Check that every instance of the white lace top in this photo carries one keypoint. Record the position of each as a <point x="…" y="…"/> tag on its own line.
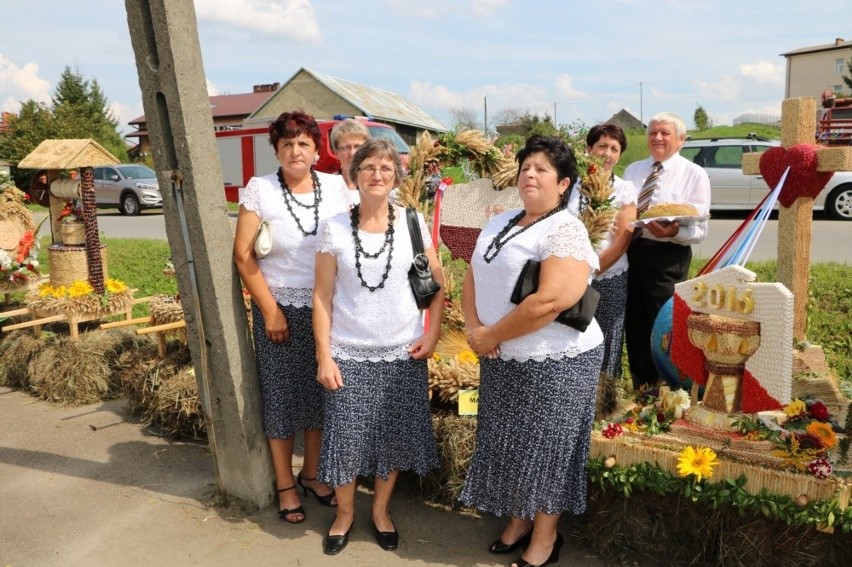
<point x="377" y="325"/>
<point x="560" y="235"/>
<point x="289" y="267"/>
<point x="624" y="193"/>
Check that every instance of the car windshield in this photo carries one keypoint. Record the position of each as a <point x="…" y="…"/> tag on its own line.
<point x="137" y="172"/>
<point x="390" y="134"/>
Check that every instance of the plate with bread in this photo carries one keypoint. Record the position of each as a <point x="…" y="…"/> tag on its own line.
<point x="665" y="213"/>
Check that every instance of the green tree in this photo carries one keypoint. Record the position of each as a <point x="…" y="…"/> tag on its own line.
<point x="78" y="109"/>
<point x="848" y="78"/>
<point x="702" y="121"/>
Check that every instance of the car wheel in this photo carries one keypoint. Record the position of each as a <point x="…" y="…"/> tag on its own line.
<point x="129" y="204"/>
<point x="838" y="205"/>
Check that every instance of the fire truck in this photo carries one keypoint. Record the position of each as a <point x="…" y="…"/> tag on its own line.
<point x="245" y="152"/>
<point x="834" y="120"/>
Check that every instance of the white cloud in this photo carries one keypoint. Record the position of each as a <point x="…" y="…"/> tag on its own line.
<point x="565" y="87"/>
<point x="726" y="88"/>
<point x="441" y="8"/>
<point x="520" y="97"/>
<point x="763" y="72"/>
<point x="124" y="113"/>
<point x="212" y="90"/>
<point x="281" y="19"/>
<point x="20" y="84"/>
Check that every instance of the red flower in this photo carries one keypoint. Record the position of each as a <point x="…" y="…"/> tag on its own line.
<point x="819" y="411"/>
<point x="24" y="246"/>
<point x="592" y="169"/>
<point x="612" y="430"/>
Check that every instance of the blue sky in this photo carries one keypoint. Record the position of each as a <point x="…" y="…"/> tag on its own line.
<point x="580" y="61"/>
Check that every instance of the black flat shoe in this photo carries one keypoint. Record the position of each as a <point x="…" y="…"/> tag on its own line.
<point x="387" y="540"/>
<point x="554" y="555"/>
<point x="285" y="512"/>
<point x="334" y="544"/>
<point x="325" y="500"/>
<point x="501" y="548"/>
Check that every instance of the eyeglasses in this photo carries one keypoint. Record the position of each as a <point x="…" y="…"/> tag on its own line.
<point x="348" y="148"/>
<point x="371" y="170"/>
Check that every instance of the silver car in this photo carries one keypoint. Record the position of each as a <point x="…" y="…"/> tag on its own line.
<point x="131" y="187"/>
<point x="731" y="189"/>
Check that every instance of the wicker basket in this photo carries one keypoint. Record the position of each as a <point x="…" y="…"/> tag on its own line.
<point x="68" y="263"/>
<point x="72" y="233"/>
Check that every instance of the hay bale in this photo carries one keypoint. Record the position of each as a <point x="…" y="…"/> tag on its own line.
<point x="455" y="437"/>
<point x="17" y="352"/>
<point x="176" y="407"/>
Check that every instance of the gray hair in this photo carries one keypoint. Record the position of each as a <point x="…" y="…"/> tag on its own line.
<point x="348" y="127"/>
<point x="672" y="119"/>
<point x="381" y="148"/>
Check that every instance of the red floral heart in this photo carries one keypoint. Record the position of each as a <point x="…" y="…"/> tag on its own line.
<point x="803" y="180"/>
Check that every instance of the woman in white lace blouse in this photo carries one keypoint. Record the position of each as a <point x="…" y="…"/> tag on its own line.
<point x="293" y="200"/>
<point x="537" y="377"/>
<point x="608" y="142"/>
<point x="371" y="347"/>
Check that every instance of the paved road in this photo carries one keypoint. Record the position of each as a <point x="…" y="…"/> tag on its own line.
<point x="831" y="239"/>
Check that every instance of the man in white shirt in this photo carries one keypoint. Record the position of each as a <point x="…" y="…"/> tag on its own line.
<point x="660" y="255"/>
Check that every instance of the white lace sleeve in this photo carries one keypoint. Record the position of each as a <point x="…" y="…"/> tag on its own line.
<point x="569" y="238"/>
<point x="324" y="243"/>
<point x="625" y="192"/>
<point x="250" y="197"/>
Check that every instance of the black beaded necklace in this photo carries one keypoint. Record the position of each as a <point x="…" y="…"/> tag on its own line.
<point x="289" y="198"/>
<point x="498" y="242"/>
<point x="354" y="219"/>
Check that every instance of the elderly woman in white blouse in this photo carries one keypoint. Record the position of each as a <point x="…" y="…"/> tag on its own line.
<point x="372" y="348"/>
<point x="537" y="377"/>
<point x="607" y="142"/>
<point x="293" y="200"/>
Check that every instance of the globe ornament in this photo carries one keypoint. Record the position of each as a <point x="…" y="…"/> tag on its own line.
<point x="661" y="343"/>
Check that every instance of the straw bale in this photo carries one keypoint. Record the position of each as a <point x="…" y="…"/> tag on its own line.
<point x="17" y="352"/>
<point x="834" y="159"/>
<point x="455" y="438"/>
<point x="73" y="372"/>
<point x="798" y="121"/>
<point x="176" y="406"/>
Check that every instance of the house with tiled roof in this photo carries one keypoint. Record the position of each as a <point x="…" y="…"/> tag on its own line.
<point x="813" y="70"/>
<point x="228" y="111"/>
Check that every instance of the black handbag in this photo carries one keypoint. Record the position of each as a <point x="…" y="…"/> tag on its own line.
<point x="423" y="285"/>
<point x="578" y="316"/>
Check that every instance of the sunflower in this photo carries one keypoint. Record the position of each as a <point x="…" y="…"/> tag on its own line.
<point x="467" y="356"/>
<point x="698" y="462"/>
<point x="795" y="409"/>
<point x="822" y="432"/>
<point x="45" y="290"/>
<point x="80" y="288"/>
<point x="115" y="286"/>
<point x="59" y="292"/>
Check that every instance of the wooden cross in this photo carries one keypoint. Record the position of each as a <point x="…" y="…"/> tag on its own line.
<point x="798" y="126"/>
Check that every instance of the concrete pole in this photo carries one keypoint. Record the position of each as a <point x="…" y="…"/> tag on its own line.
<point x="200" y="233"/>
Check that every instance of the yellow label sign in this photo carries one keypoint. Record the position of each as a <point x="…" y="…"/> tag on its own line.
<point x="468" y="402"/>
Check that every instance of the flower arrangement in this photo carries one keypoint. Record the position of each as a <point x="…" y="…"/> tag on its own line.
<point x="19" y="249"/>
<point x="453" y="367"/>
<point x="653" y="412"/>
<point x="70" y="213"/>
<point x="803" y="434"/>
<point x="80" y="298"/>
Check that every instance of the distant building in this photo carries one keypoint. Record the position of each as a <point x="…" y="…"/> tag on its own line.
<point x="4" y="120"/>
<point x="324" y="97"/>
<point x="228" y="111"/>
<point x="626" y="120"/>
<point x="813" y="70"/>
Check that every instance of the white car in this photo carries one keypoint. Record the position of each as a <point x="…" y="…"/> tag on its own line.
<point x="731" y="189"/>
<point x="131" y="187"/>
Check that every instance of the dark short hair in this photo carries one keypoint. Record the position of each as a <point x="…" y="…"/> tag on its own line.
<point x="610" y="131"/>
<point x="291" y="124"/>
<point x="377" y="147"/>
<point x="560" y="156"/>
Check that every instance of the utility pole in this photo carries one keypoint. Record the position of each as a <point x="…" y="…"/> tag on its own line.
<point x="177" y="110"/>
<point x="641" y="109"/>
<point x="485" y="113"/>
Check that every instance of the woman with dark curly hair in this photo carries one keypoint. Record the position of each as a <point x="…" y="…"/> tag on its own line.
<point x="293" y="200"/>
<point x="537" y="377"/>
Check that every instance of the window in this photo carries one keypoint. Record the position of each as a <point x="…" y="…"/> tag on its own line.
<point x="838" y="66"/>
<point x="730" y="157"/>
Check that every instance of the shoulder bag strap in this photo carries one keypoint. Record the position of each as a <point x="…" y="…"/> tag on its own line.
<point x="414" y="230"/>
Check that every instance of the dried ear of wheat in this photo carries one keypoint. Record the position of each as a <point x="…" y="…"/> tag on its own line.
<point x="599" y="215"/>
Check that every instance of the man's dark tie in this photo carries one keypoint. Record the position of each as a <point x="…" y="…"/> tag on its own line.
<point x="648" y="189"/>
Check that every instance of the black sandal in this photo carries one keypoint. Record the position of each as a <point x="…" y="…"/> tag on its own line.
<point x="283" y="513"/>
<point x="325" y="500"/>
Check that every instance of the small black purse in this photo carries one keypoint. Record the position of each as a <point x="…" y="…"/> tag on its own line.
<point x="578" y="316"/>
<point x="423" y="285"/>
